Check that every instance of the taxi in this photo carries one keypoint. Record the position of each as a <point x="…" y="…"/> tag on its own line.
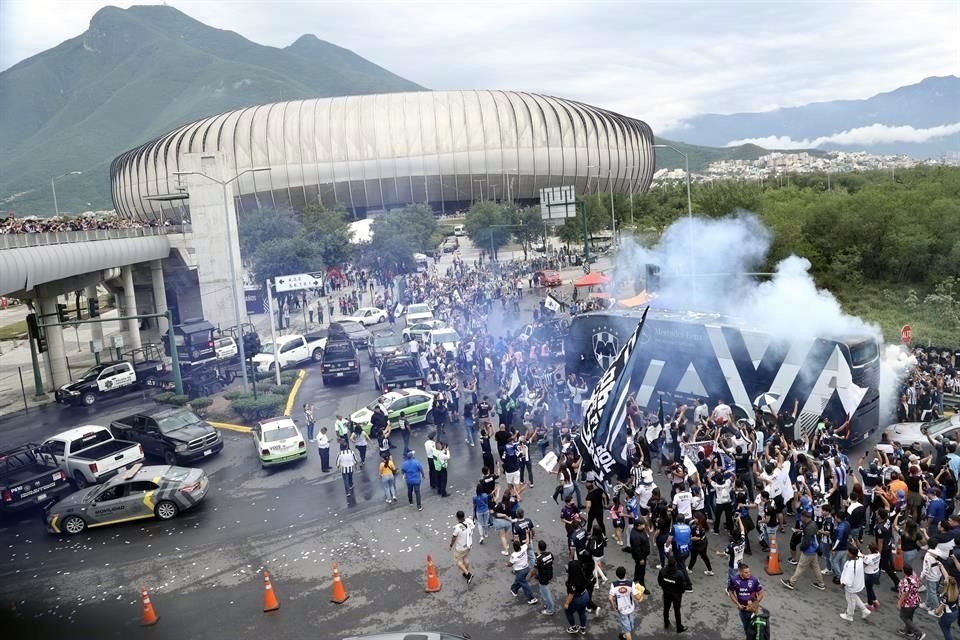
<point x="142" y="492"/>
<point x="415" y="405"/>
<point x="279" y="441"/>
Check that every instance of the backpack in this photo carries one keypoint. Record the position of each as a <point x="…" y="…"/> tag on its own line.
<point x="468" y="532"/>
<point x="760" y="625"/>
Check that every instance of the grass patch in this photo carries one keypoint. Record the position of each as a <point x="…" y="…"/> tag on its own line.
<point x="14" y="331"/>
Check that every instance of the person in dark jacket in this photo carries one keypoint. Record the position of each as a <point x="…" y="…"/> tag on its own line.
<point x="639" y="549"/>
<point x="577" y="597"/>
<point x="674" y="583"/>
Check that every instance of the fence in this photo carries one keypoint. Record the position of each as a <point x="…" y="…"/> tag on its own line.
<point x="9" y="383"/>
<point x="26" y="240"/>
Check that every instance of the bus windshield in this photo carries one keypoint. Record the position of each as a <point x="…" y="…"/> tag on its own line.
<point x="863" y="352"/>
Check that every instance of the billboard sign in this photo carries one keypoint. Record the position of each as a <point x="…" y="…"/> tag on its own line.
<point x="557" y="204"/>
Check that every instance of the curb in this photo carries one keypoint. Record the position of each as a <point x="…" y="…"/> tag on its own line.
<point x="292" y="397"/>
<point x="230" y="427"/>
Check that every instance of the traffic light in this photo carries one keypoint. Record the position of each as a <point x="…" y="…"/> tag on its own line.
<point x="93" y="306"/>
<point x="62" y="312"/>
<point x="35" y="333"/>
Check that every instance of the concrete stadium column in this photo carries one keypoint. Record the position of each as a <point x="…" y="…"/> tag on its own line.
<point x="130" y="309"/>
<point x="159" y="293"/>
<point x="56" y="355"/>
<point x="214" y="231"/>
<point x="96" y="329"/>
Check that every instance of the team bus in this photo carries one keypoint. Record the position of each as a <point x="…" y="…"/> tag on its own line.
<point x="684" y="356"/>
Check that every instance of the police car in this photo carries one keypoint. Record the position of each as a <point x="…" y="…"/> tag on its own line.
<point x="279" y="441"/>
<point x="142" y="492"/>
<point x="413" y="403"/>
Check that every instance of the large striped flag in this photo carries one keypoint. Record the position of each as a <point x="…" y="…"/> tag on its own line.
<point x="603" y="438"/>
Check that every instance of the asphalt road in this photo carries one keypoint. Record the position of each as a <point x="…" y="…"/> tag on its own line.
<point x="203" y="569"/>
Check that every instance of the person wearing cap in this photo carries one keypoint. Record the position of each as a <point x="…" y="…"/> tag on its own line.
<point x="809" y="546"/>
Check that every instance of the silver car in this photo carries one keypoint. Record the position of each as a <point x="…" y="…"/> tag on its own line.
<point x="915" y="433"/>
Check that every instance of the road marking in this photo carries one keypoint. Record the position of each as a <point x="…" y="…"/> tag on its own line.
<point x="230" y="427"/>
<point x="291" y="399"/>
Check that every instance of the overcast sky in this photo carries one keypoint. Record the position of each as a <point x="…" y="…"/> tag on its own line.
<point x="661" y="62"/>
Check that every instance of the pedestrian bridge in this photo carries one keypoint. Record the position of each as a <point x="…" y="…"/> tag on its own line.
<point x="29" y="260"/>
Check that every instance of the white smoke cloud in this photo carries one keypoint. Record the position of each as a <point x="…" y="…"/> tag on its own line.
<point x="863" y="136"/>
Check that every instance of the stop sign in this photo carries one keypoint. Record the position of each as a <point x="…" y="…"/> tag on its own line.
<point x="906" y="334"/>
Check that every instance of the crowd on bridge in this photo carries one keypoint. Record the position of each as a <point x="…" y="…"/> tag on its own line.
<point x="11" y="224"/>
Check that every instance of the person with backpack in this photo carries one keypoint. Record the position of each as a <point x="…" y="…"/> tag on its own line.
<point x="680" y="542"/>
<point x="441" y="459"/>
<point x="460" y="543"/>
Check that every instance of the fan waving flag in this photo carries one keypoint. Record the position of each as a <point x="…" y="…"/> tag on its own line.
<point x="515" y="383"/>
<point x="603" y="438"/>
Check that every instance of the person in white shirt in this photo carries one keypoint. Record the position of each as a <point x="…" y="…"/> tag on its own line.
<point x="461" y="542"/>
<point x="852" y="579"/>
<point x="519" y="563"/>
<point x="683" y="501"/>
<point x="323" y="448"/>
<point x="430" y="451"/>
<point x="722" y="413"/>
<point x="345" y="464"/>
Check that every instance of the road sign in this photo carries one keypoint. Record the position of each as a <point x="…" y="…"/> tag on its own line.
<point x="297" y="281"/>
<point x="557" y="204"/>
<point x="906" y="334"/>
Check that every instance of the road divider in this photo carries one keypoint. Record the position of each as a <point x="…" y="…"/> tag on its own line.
<point x="292" y="397"/>
<point x="230" y="427"/>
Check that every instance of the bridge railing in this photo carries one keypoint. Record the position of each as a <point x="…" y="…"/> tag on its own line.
<point x="26" y="240"/>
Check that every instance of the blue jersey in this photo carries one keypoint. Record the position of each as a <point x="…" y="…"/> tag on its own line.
<point x="681" y="538"/>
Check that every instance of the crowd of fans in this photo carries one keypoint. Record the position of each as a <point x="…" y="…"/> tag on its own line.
<point x="32" y="224"/>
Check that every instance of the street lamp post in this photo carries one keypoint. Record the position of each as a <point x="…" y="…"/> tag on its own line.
<point x="53" y="187"/>
<point x="686" y="164"/>
<point x="233" y="271"/>
<point x="481" y="181"/>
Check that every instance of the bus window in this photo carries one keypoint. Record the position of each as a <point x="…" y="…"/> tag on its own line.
<point x="863" y="352"/>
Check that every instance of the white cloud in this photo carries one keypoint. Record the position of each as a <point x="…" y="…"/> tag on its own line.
<point x="860" y="136"/>
<point x="633" y="57"/>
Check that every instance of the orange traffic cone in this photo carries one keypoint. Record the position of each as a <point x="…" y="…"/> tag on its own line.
<point x="150" y="616"/>
<point x="433" y="582"/>
<point x="339" y="593"/>
<point x="270" y="602"/>
<point x="773" y="563"/>
<point x="898" y="559"/>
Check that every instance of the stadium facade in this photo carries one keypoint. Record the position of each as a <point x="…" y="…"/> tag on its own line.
<point x="375" y="152"/>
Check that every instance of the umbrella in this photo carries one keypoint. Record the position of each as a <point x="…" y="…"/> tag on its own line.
<point x="767" y="402"/>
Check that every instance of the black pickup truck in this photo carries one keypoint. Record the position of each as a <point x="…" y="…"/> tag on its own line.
<point x="30" y="477"/>
<point x="175" y="434"/>
<point x="340" y="360"/>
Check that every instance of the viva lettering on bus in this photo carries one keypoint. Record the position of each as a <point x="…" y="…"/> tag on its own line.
<point x="603" y="438"/>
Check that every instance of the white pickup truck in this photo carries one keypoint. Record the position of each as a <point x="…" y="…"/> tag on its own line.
<point x="91" y="454"/>
<point x="291" y="350"/>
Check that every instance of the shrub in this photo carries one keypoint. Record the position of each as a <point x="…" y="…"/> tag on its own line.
<point x="288" y="377"/>
<point x="164" y="396"/>
<point x="172" y="398"/>
<point x="266" y="406"/>
<point x="199" y="405"/>
<point x="236" y="394"/>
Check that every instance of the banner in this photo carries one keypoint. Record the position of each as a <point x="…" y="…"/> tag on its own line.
<point x="603" y="438"/>
<point x="552" y="303"/>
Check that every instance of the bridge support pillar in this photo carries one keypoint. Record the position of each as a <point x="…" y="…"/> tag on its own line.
<point x="56" y="355"/>
<point x="130" y="308"/>
<point x="159" y="293"/>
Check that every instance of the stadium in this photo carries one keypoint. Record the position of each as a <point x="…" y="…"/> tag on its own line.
<point x="377" y="152"/>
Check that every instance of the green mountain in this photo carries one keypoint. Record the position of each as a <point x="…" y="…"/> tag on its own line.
<point x="135" y="74"/>
<point x="700" y="156"/>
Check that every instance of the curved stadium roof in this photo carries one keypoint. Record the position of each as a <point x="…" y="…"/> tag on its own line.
<point x="388" y="150"/>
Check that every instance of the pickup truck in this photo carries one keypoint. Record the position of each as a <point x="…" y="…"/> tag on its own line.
<point x="139" y="369"/>
<point x="340" y="360"/>
<point x="90" y="454"/>
<point x="292" y="350"/>
<point x="175" y="434"/>
<point x="30" y="477"/>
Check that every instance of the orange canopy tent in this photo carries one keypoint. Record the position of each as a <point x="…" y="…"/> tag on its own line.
<point x="592" y="279"/>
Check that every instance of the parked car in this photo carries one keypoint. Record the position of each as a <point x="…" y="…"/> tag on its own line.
<point x="340" y="361"/>
<point x="279" y="441"/>
<point x="291" y="350"/>
<point x="142" y="492"/>
<point x="415" y="313"/>
<point x="459" y="231"/>
<point x="415" y="404"/>
<point x="226" y="348"/>
<point x="421" y="329"/>
<point x="139" y="369"/>
<point x="355" y="331"/>
<point x="448" y="338"/>
<point x="90" y="454"/>
<point x="30" y="476"/>
<point x="547" y="278"/>
<point x="385" y="343"/>
<point x="398" y="372"/>
<point x="367" y="316"/>
<point x="914" y="434"/>
<point x="175" y="434"/>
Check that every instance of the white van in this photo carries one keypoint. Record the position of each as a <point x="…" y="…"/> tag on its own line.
<point x="458" y="230"/>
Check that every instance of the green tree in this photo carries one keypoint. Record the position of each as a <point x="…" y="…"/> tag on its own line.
<point x="486" y="225"/>
<point x="258" y="227"/>
<point x="327" y="230"/>
<point x="529" y="227"/>
<point x="283" y="256"/>
<point x="397" y="236"/>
